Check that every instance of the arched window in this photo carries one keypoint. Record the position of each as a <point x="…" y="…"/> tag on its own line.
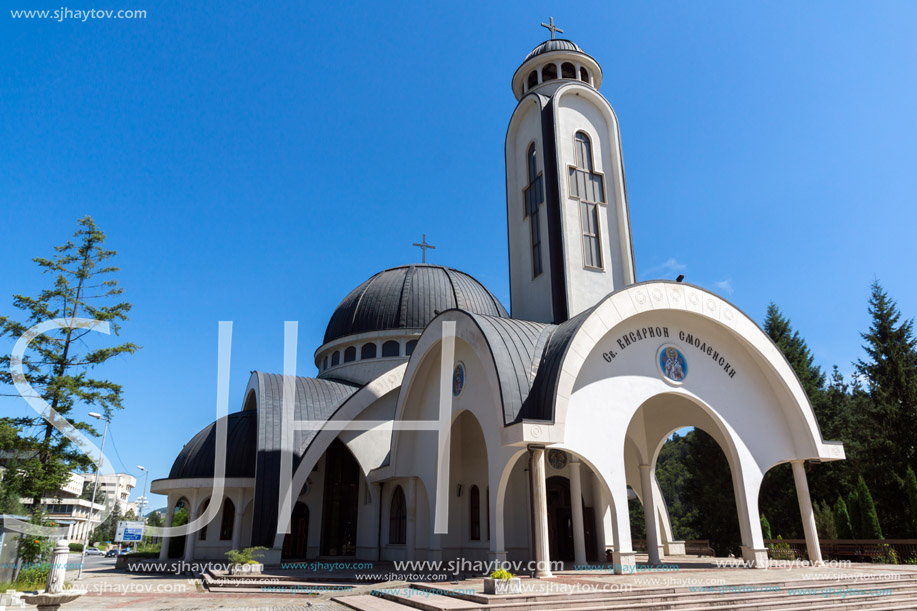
<point x="368" y="351"/>
<point x="391" y="348"/>
<point x="534" y="197"/>
<point x="398" y="518"/>
<point x="584" y="75"/>
<point x="568" y="70"/>
<point x="204" y="506"/>
<point x="588" y="186"/>
<point x="582" y="151"/>
<point x="229" y="517"/>
<point x="350" y="354"/>
<point x="533" y="78"/>
<point x="474" y="514"/>
<point x="548" y="73"/>
<point x="409" y="347"/>
<point x="335" y="358"/>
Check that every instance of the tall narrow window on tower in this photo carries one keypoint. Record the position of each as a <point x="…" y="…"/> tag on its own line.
<point x="534" y="196"/>
<point x="588" y="186"/>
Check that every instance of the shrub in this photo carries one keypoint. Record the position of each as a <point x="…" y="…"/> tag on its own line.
<point x="76" y="547"/>
<point x="889" y="556"/>
<point x="33" y="578"/>
<point x="782" y="551"/>
<point x="246" y="556"/>
<point x="765" y="528"/>
<point x="501" y="574"/>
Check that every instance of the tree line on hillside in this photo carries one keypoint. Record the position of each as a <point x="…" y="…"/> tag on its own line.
<point x="870" y="495"/>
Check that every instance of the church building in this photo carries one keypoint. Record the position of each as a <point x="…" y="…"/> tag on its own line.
<point x="449" y="427"/>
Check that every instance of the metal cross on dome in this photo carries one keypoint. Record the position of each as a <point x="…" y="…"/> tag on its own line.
<point x="424" y="246"/>
<point x="552" y="27"/>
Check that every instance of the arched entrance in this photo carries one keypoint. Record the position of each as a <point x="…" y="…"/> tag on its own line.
<point x="341" y="501"/>
<point x="560" y="519"/>
<point x="179" y="518"/>
<point x="294" y="543"/>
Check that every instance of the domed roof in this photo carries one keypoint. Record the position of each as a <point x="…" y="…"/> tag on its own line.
<point x="558" y="44"/>
<point x="409" y="297"/>
<point x="197" y="457"/>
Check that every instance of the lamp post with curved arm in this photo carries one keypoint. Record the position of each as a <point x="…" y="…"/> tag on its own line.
<point x="95" y="489"/>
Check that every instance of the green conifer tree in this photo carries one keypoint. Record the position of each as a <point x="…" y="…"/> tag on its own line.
<point x="890" y="374"/>
<point x="910" y="485"/>
<point x="870" y="528"/>
<point x="57" y="363"/>
<point x="765" y="528"/>
<point x="842" y="519"/>
<point x="853" y="506"/>
<point x="824" y="521"/>
<point x="777" y="500"/>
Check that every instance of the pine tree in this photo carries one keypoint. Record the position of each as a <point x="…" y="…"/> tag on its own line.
<point x="796" y="351"/>
<point x="910" y="485"/>
<point x="765" y="528"/>
<point x="824" y="521"/>
<point x="856" y="522"/>
<point x="842" y="519"/>
<point x="870" y="528"/>
<point x="57" y="363"/>
<point x="778" y="489"/>
<point x="890" y="425"/>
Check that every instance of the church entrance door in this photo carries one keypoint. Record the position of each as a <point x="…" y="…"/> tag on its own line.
<point x="294" y="543"/>
<point x="341" y="500"/>
<point x="560" y="519"/>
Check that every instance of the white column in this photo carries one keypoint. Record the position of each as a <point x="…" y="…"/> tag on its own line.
<point x="164" y="541"/>
<point x="190" y="538"/>
<point x="410" y="526"/>
<point x="540" y="513"/>
<point x="805" y="508"/>
<point x="576" y="505"/>
<point x="600" y="505"/>
<point x="649" y="514"/>
<point x="237" y="523"/>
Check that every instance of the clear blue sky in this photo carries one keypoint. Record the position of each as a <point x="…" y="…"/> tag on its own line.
<point x="255" y="163"/>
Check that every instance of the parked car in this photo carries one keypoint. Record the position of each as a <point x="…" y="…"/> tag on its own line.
<point x="125" y="551"/>
<point x="111" y="553"/>
<point x="93" y="551"/>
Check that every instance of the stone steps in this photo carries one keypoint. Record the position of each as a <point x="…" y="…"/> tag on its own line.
<point x="903" y="595"/>
<point x="267" y="584"/>
<point x="534" y="600"/>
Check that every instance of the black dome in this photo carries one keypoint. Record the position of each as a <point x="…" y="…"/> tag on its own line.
<point x="197" y="457"/>
<point x="409" y="297"/>
<point x="559" y="44"/>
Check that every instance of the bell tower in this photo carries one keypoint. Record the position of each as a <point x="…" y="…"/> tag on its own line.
<point x="566" y="200"/>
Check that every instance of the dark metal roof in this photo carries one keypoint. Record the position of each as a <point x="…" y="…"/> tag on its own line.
<point x="197" y="457"/>
<point x="539" y="404"/>
<point x="516" y="346"/>
<point x="313" y="399"/>
<point x="558" y="44"/>
<point x="409" y="297"/>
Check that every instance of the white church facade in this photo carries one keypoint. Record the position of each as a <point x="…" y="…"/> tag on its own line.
<point x="553" y="413"/>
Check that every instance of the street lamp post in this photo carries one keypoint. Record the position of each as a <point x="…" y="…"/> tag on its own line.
<point x="141" y="502"/>
<point x="95" y="489"/>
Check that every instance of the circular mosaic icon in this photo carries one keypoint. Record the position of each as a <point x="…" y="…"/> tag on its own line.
<point x="672" y="364"/>
<point x="458" y="380"/>
<point x="557" y="458"/>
